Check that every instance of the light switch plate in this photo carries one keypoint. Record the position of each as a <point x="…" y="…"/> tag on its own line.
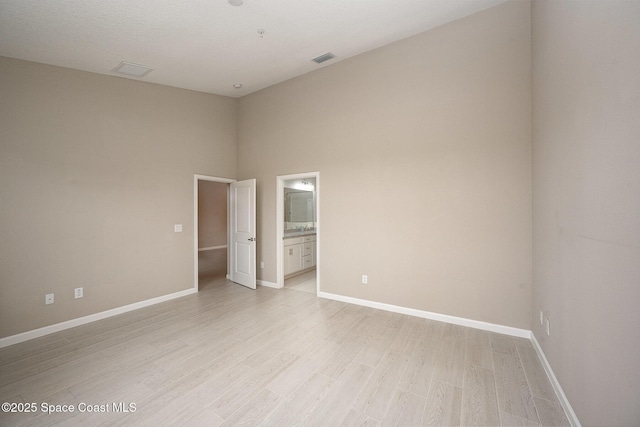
<point x="177" y="228"/>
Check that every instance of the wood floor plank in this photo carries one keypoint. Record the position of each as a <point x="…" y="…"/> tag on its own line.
<point x="297" y="407"/>
<point x="234" y="395"/>
<point x="405" y="409"/>
<point x="502" y="343"/>
<point x="551" y="413"/>
<point x="205" y="417"/>
<point x="514" y="395"/>
<point x="479" y="401"/>
<point x="336" y="364"/>
<point x="444" y="405"/>
<point x="338" y="327"/>
<point x="509" y="420"/>
<point x="254" y="412"/>
<point x="417" y="376"/>
<point x="375" y="344"/>
<point x="449" y="360"/>
<point x="478" y="348"/>
<point x="376" y="396"/>
<point x="337" y="403"/>
<point x="536" y="376"/>
<point x="358" y="419"/>
<point x="407" y="337"/>
<point x="310" y="358"/>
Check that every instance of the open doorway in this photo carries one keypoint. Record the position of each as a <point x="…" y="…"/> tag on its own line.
<point x="211" y="230"/>
<point x="298" y="231"/>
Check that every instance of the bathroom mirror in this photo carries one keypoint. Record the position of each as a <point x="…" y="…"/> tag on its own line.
<point x="298" y="205"/>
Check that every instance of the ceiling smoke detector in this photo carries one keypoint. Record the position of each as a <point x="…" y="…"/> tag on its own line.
<point x="131" y="69"/>
<point x="327" y="56"/>
<point x="235" y="2"/>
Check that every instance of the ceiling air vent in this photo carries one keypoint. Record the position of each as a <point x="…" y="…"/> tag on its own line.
<point x="327" y="56"/>
<point x="131" y="69"/>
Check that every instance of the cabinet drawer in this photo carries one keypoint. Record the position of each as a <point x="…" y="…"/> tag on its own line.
<point x="307" y="261"/>
<point x="307" y="249"/>
<point x="309" y="239"/>
<point x="292" y="241"/>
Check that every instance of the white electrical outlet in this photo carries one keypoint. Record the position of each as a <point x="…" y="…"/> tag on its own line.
<point x="541" y="317"/>
<point x="48" y="299"/>
<point x="364" y="279"/>
<point x="261" y="264"/>
<point x="78" y="293"/>
<point x="548" y="327"/>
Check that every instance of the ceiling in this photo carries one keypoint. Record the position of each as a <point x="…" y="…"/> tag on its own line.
<point x="210" y="45"/>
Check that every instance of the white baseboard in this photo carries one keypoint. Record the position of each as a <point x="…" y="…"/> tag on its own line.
<point x="212" y="248"/>
<point x="46" y="330"/>
<point x="568" y="410"/>
<point x="267" y="284"/>
<point x="501" y="329"/>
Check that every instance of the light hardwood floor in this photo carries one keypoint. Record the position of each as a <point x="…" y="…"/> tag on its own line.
<point x="305" y="282"/>
<point x="234" y="356"/>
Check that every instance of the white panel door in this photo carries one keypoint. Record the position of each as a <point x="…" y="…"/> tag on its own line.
<point x="243" y="232"/>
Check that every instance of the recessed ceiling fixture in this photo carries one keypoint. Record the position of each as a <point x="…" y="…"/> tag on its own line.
<point x="327" y="56"/>
<point x="131" y="69"/>
<point x="238" y="85"/>
<point x="235" y="2"/>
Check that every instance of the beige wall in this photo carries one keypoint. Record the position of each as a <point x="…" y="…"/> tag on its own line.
<point x="586" y="127"/>
<point x="423" y="149"/>
<point x="95" y="172"/>
<point x="212" y="213"/>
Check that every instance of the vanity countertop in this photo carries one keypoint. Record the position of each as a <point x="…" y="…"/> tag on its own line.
<point x="288" y="235"/>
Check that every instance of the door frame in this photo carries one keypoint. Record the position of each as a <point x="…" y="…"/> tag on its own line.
<point x="280" y="179"/>
<point x="196" y="178"/>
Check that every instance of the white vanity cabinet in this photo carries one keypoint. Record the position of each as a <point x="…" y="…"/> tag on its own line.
<point x="292" y="255"/>
<point x="299" y="254"/>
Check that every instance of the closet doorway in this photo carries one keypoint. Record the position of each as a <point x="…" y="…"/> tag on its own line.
<point x="211" y="230"/>
<point x="298" y="231"/>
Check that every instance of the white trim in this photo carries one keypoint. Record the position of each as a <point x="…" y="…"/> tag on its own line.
<point x="212" y="248"/>
<point x="564" y="402"/>
<point x="46" y="330"/>
<point x="267" y="284"/>
<point x="280" y="224"/>
<point x="197" y="177"/>
<point x="485" y="326"/>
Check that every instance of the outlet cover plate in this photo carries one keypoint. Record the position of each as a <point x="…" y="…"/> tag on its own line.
<point x="548" y="327"/>
<point x="541" y="317"/>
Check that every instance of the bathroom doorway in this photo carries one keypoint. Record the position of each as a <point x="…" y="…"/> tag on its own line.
<point x="298" y="231"/>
